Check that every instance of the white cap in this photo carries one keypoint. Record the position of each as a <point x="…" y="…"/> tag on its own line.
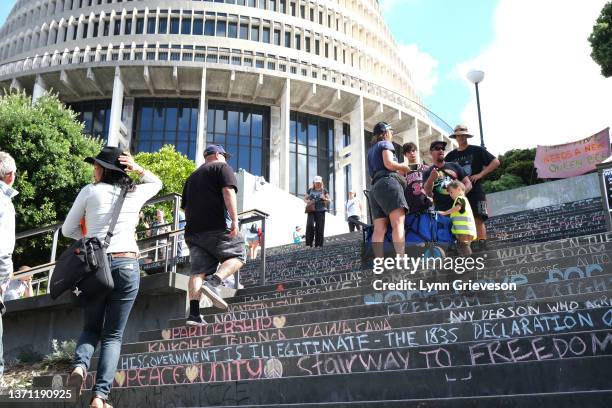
<point x="317" y="179"/>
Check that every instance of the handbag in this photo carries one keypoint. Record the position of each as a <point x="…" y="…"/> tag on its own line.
<point x="310" y="207"/>
<point x="84" y="268"/>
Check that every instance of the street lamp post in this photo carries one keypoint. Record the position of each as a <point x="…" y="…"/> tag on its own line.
<point x="476" y="77"/>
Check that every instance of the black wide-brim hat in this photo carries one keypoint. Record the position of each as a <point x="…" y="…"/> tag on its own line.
<point x="108" y="158"/>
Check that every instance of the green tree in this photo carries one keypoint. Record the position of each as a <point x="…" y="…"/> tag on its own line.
<point x="505" y="182"/>
<point x="172" y="168"/>
<point x="47" y="143"/>
<point x="517" y="163"/>
<point x="601" y="40"/>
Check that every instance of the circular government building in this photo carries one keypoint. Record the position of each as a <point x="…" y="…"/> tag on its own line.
<point x="290" y="88"/>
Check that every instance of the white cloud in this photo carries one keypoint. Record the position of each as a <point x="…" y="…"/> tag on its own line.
<point x="423" y="68"/>
<point x="541" y="85"/>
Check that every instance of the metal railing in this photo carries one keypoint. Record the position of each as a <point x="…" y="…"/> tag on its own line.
<point x="173" y="249"/>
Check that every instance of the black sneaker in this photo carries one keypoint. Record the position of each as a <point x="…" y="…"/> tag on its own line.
<point x="195" y="321"/>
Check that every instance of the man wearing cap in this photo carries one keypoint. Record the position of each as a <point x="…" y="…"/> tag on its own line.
<point x="8" y="171"/>
<point x="216" y="247"/>
<point x="440" y="174"/>
<point x="476" y="162"/>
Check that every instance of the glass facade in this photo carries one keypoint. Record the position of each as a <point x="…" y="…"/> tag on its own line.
<point x="311" y="153"/>
<point x="244" y="131"/>
<point x="166" y="121"/>
<point x="95" y="116"/>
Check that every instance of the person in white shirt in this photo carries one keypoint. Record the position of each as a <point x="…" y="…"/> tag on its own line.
<point x="353" y="211"/>
<point x="19" y="287"/>
<point x="105" y="319"/>
<point x="8" y="172"/>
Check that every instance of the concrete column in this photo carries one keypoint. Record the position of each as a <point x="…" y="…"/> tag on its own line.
<point x="285" y="122"/>
<point x="128" y="119"/>
<point x="40" y="88"/>
<point x="412" y="135"/>
<point x="116" y="110"/>
<point x="275" y="138"/>
<point x="358" y="149"/>
<point x="338" y="168"/>
<point x="202" y="117"/>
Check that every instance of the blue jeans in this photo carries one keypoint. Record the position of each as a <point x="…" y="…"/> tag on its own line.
<point x="105" y="320"/>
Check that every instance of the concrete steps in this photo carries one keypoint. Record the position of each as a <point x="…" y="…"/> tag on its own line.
<point x="320" y="336"/>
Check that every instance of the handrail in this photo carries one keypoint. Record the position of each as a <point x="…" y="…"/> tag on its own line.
<point x="169" y="250"/>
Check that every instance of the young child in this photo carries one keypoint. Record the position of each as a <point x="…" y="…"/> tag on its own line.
<point x="297" y="235"/>
<point x="464" y="226"/>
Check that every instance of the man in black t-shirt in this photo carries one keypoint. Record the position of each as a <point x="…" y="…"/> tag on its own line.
<point x="476" y="162"/>
<point x="440" y="174"/>
<point x="211" y="231"/>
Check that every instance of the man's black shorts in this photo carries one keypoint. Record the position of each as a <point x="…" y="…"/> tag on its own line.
<point x="208" y="249"/>
<point x="478" y="202"/>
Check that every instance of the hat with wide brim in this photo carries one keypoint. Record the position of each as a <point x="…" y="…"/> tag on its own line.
<point x="108" y="158"/>
<point x="460" y="130"/>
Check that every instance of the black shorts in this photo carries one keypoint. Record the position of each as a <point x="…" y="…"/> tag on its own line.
<point x="208" y="249"/>
<point x="386" y="195"/>
<point x="478" y="202"/>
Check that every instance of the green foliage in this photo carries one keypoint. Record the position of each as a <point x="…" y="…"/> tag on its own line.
<point x="172" y="168"/>
<point x="47" y="143"/>
<point x="27" y="354"/>
<point x="505" y="182"/>
<point x="601" y="40"/>
<point x="515" y="170"/>
<point x="63" y="352"/>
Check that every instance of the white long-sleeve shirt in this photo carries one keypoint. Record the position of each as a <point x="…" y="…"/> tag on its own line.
<point x="7" y="231"/>
<point x="95" y="203"/>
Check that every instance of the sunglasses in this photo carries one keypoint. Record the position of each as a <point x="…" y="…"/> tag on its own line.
<point x="437" y="148"/>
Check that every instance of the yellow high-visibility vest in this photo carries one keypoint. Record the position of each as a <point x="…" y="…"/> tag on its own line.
<point x="463" y="223"/>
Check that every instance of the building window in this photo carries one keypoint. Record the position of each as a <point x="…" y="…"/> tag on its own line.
<point x="244" y="132"/>
<point x="198" y="26"/>
<point x="128" y="27"/>
<point x="277" y="37"/>
<point x="221" y="28"/>
<point x="244" y="31"/>
<point x="298" y="42"/>
<point x="139" y="25"/>
<point x="151" y="25"/>
<point x="166" y="121"/>
<point x="174" y="25"/>
<point x="209" y="27"/>
<point x="346" y="134"/>
<point x="287" y="39"/>
<point x="163" y="26"/>
<point x="232" y="30"/>
<point x="311" y="152"/>
<point x="95" y="116"/>
<point x="186" y="26"/>
<point x="254" y="33"/>
<point x="266" y="35"/>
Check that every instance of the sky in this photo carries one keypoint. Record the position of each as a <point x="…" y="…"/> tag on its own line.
<point x="541" y="85"/>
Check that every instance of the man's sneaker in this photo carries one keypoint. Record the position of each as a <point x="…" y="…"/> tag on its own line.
<point x="230" y="282"/>
<point x="195" y="321"/>
<point x="213" y="293"/>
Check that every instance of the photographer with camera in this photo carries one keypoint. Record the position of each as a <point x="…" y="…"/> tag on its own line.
<point x="317" y="202"/>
